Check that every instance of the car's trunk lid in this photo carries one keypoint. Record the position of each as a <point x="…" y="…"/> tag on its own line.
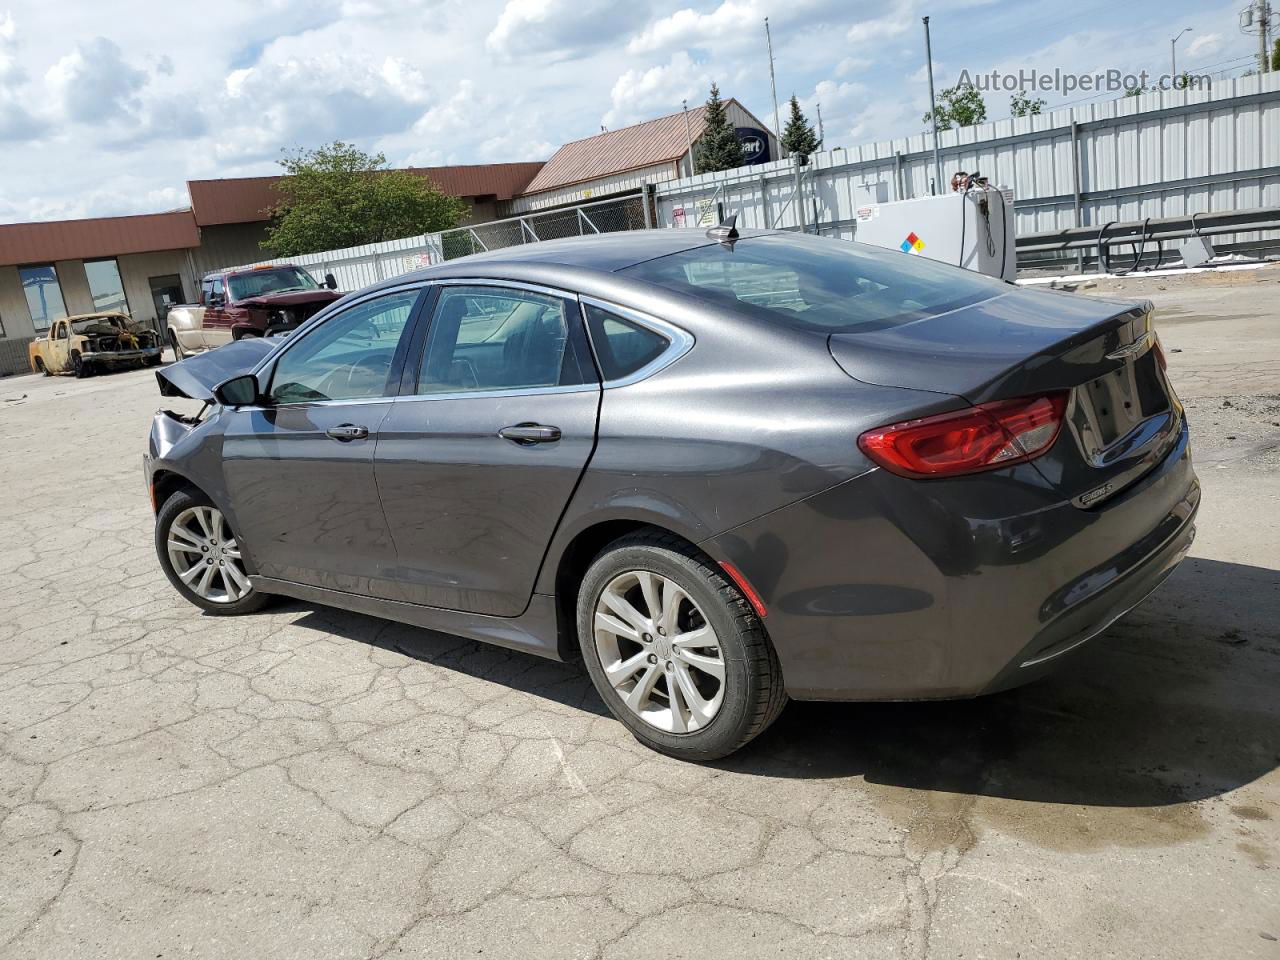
<point x="1122" y="417"/>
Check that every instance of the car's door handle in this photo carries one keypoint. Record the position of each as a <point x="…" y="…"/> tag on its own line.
<point x="346" y="432"/>
<point x="527" y="433"/>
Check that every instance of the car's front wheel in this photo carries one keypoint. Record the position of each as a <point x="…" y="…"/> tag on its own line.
<point x="674" y="649"/>
<point x="201" y="555"/>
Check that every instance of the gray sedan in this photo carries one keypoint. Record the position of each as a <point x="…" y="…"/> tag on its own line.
<point x="723" y="470"/>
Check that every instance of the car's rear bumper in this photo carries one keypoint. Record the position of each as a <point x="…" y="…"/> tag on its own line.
<point x="887" y="588"/>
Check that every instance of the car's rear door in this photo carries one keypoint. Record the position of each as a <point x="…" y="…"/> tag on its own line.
<point x="480" y="454"/>
<point x="299" y="466"/>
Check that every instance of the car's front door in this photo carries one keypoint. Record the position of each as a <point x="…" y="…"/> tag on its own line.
<point x="483" y="449"/>
<point x="299" y="466"/>
<point x="60" y="346"/>
<point x="215" y="330"/>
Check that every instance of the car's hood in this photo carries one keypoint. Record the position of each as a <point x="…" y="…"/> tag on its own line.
<point x="196" y="376"/>
<point x="292" y="299"/>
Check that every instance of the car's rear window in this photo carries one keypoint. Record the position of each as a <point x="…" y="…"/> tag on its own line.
<point x="818" y="283"/>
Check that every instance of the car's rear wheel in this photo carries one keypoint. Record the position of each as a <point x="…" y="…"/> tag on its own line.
<point x="41" y="368"/>
<point x="201" y="555"/>
<point x="178" y="353"/>
<point x="675" y="651"/>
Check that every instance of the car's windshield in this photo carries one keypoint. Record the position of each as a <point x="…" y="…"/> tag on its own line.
<point x="255" y="283"/>
<point x="103" y="324"/>
<point x="818" y="283"/>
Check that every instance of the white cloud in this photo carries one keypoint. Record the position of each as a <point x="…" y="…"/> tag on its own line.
<point x="561" y="29"/>
<point x="644" y="94"/>
<point x="94" y="84"/>
<point x="1205" y="45"/>
<point x="732" y="20"/>
<point x="307" y="100"/>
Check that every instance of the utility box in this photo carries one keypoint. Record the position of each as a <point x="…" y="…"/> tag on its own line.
<point x="1195" y="251"/>
<point x="973" y="230"/>
<point x="877" y="192"/>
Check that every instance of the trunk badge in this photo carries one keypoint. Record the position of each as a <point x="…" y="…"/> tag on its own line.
<point x="1132" y="349"/>
<point x="1096" y="494"/>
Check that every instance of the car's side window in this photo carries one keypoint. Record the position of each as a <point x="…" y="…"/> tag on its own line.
<point x="495" y="338"/>
<point x="60" y="332"/>
<point x="622" y="346"/>
<point x="347" y="357"/>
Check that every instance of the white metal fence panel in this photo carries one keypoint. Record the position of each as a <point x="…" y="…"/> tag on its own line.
<point x="1160" y="154"/>
<point x="1167" y="153"/>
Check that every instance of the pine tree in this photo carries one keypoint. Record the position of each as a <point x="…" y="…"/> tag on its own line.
<point x="718" y="148"/>
<point x="798" y="137"/>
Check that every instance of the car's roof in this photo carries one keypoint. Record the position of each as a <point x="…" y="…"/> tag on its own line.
<point x="603" y="252"/>
<point x="99" y="314"/>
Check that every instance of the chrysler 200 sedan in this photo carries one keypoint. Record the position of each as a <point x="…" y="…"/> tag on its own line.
<point x="725" y="470"/>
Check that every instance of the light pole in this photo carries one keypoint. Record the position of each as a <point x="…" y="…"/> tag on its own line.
<point x="688" y="132"/>
<point x="773" y="85"/>
<point x="1173" y="57"/>
<point x="933" y="110"/>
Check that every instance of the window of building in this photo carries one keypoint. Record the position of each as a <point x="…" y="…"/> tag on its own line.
<point x="105" y="286"/>
<point x="44" y="295"/>
<point x="622" y="347"/>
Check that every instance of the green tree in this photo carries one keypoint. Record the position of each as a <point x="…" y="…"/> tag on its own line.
<point x="718" y="148"/>
<point x="1020" y="105"/>
<point x="1135" y="91"/>
<point x="339" y="196"/>
<point x="1275" y="55"/>
<point x="798" y="137"/>
<point x="961" y="106"/>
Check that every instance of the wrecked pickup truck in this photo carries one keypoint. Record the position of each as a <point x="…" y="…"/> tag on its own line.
<point x="249" y="302"/>
<point x="90" y="342"/>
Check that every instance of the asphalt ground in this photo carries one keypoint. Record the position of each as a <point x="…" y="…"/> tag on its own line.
<point x="311" y="783"/>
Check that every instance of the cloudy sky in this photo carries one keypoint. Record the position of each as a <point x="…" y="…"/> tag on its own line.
<point x="109" y="106"/>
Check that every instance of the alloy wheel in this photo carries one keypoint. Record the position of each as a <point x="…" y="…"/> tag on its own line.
<point x="659" y="652"/>
<point x="205" y="555"/>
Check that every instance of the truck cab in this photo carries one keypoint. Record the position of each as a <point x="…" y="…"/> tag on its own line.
<point x="258" y="301"/>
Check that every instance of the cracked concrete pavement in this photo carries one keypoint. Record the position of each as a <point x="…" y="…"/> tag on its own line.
<point x="311" y="783"/>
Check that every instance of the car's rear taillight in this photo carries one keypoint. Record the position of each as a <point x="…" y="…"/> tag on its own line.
<point x="1158" y="348"/>
<point x="984" y="437"/>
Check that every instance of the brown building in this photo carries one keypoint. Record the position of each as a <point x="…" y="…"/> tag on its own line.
<point x="141" y="264"/>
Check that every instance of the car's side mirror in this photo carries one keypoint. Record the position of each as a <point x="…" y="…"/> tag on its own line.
<point x="331" y="281"/>
<point x="240" y="391"/>
<point x="216" y="300"/>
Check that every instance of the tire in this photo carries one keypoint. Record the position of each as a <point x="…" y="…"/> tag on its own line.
<point x="80" y="368"/>
<point x="176" y="346"/>
<point x="42" y="369"/>
<point x="222" y="595"/>
<point x="748" y="698"/>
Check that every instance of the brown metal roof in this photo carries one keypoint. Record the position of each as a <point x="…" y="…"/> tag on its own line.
<point x="246" y="199"/>
<point x="630" y="148"/>
<point x="99" y="237"/>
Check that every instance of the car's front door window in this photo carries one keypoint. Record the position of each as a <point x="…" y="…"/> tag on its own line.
<point x="348" y="357"/>
<point x="494" y="338"/>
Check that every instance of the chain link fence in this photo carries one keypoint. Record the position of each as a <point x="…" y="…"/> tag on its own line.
<point x="356" y="267"/>
<point x="603" y="216"/>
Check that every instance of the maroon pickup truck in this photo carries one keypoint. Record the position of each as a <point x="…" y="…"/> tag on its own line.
<point x="258" y="301"/>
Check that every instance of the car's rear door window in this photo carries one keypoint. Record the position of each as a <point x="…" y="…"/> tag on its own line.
<point x="485" y="338"/>
<point x="623" y="347"/>
<point x="826" y="285"/>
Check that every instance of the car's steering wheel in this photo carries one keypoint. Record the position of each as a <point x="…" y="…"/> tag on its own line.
<point x="347" y="378"/>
